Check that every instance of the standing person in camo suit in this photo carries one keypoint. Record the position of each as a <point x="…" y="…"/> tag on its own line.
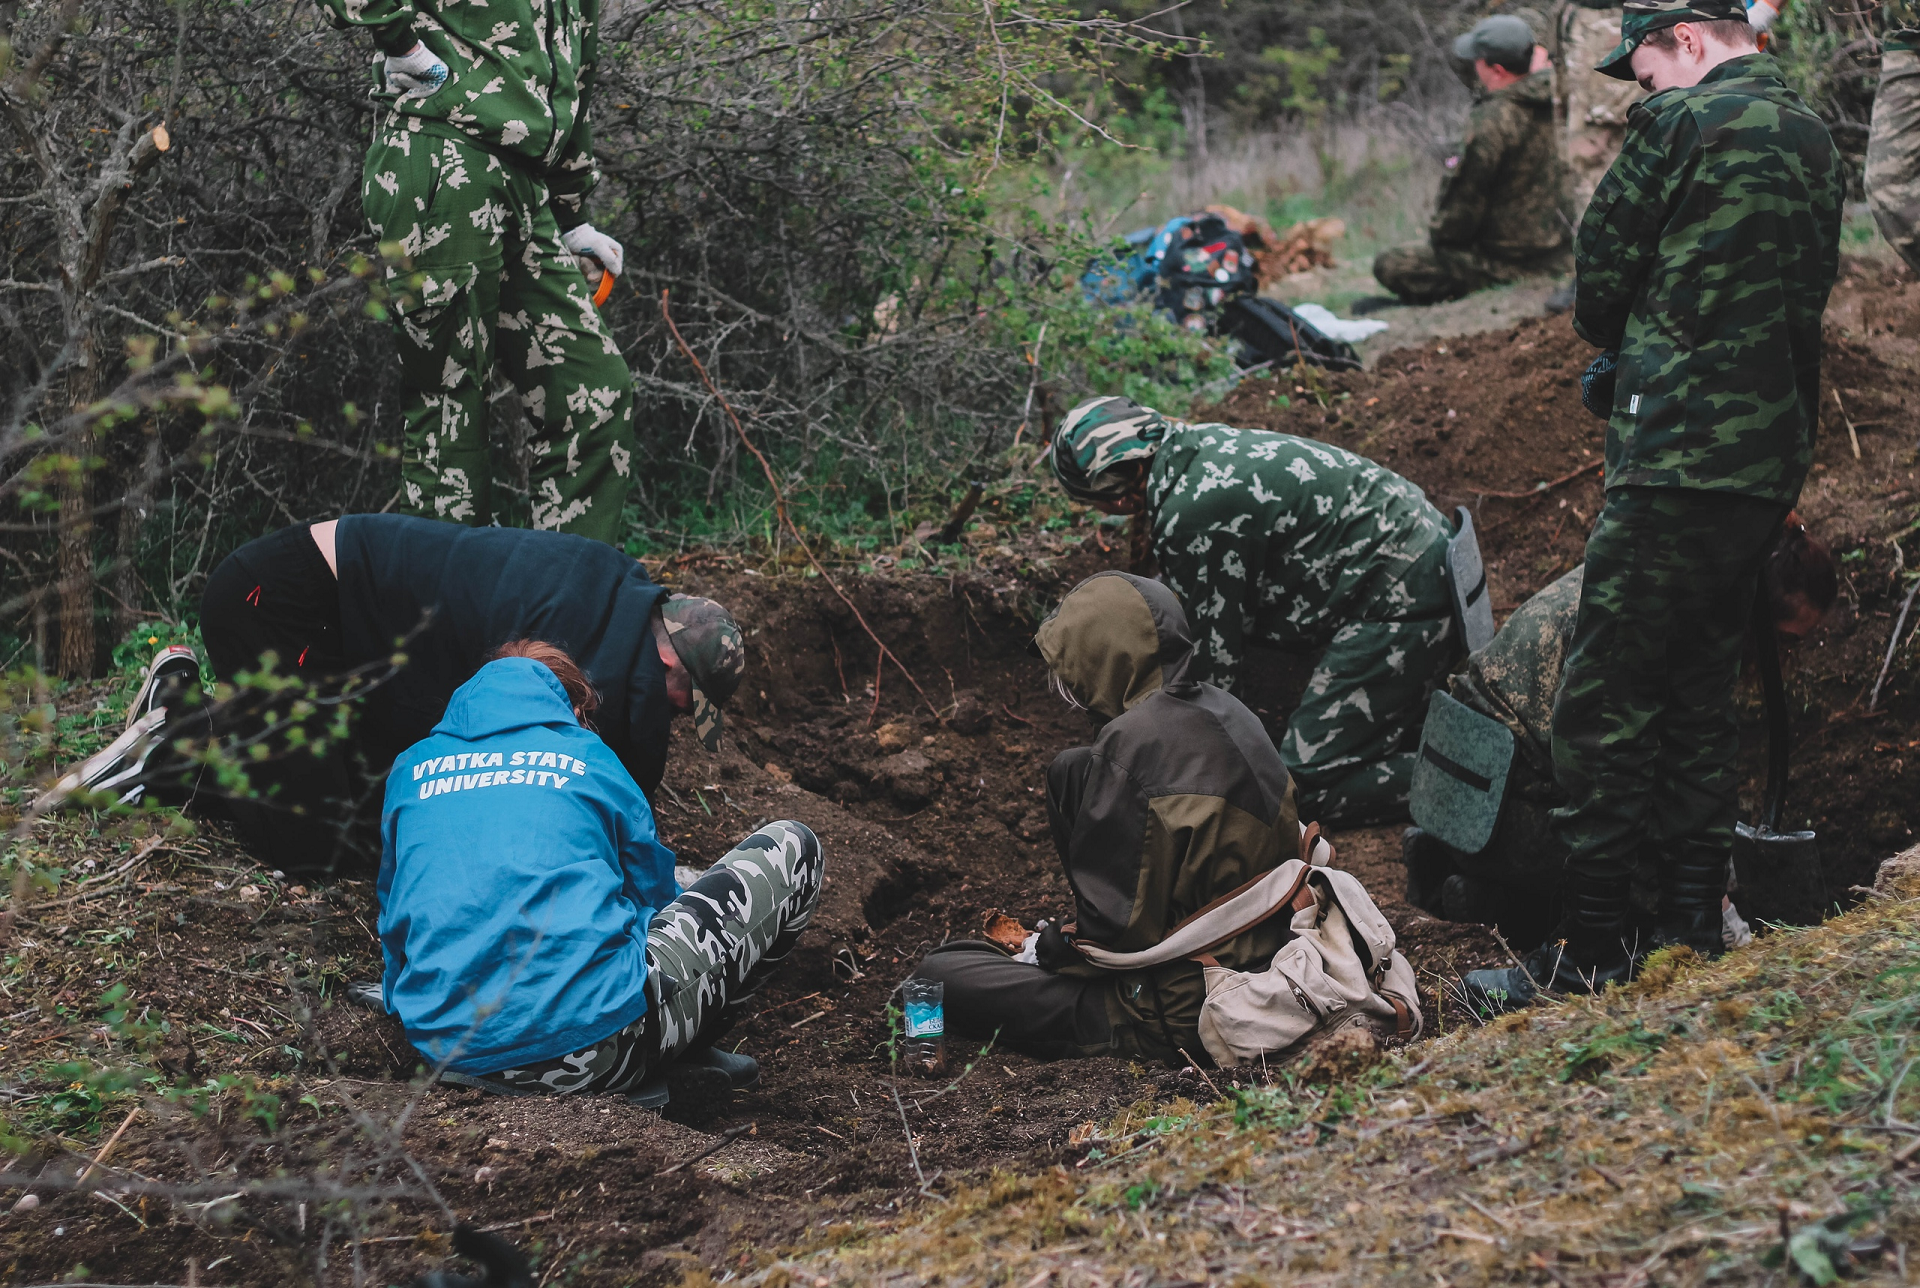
<point x="1502" y="213"/>
<point x="1893" y="140"/>
<point x="1271" y="539"/>
<point x="479" y="170"/>
<point x="1704" y="263"/>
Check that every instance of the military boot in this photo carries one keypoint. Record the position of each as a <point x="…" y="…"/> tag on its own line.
<point x="1693" y="889"/>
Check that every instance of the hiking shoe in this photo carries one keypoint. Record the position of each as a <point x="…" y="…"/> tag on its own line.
<point x="368" y="993"/>
<point x="711" y="1070"/>
<point x="1550" y="968"/>
<point x="652" y="1095"/>
<point x="173" y="673"/>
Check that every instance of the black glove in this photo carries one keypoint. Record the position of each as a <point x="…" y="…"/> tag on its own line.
<point x="1596" y="384"/>
<point x="1054" y="949"/>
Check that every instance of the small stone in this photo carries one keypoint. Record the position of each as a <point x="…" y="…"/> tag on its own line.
<point x="26" y="1203"/>
<point x="481" y="1175"/>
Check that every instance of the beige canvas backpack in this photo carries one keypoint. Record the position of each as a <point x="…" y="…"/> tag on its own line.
<point x="1340" y="970"/>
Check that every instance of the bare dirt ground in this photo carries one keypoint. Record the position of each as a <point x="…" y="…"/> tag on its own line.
<point x="931" y="824"/>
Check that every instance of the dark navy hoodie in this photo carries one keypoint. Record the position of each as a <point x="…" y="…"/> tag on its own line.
<point x="454" y="594"/>
<point x="519" y="871"/>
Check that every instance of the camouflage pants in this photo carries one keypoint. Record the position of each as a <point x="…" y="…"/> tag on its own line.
<point x="707" y="950"/>
<point x="485" y="276"/>
<point x="1420" y="274"/>
<point x="1351" y="742"/>
<point x="1645" y="741"/>
<point x="1893" y="152"/>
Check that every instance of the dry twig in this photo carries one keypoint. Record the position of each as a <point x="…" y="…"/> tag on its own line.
<point x="786" y="519"/>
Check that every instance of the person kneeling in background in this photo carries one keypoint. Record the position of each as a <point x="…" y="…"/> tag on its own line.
<point x="1180" y="801"/>
<point x="535" y="938"/>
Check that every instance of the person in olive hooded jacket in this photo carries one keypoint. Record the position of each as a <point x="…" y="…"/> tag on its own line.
<point x="1180" y="800"/>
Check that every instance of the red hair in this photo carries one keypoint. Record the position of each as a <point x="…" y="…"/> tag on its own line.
<point x="580" y="691"/>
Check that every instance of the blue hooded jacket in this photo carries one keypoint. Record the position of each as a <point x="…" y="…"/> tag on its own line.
<point x="519" y="871"/>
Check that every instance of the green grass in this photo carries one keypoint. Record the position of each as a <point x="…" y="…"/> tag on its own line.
<point x="1712" y="1123"/>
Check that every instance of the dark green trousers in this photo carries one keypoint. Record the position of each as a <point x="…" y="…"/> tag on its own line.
<point x="1645" y="740"/>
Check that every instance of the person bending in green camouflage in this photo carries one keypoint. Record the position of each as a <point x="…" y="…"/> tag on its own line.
<point x="1502" y="213"/>
<point x="479" y="169"/>
<point x="1271" y="539"/>
<point x="1704" y="260"/>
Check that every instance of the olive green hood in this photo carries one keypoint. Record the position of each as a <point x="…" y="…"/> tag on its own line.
<point x="1115" y="640"/>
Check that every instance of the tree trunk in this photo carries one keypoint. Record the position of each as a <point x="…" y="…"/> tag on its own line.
<point x="78" y="648"/>
<point x="134" y="510"/>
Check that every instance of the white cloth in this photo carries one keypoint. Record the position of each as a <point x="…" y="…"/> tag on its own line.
<point x="1322" y="320"/>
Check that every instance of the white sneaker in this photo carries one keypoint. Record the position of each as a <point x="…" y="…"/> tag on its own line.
<point x="173" y="669"/>
<point x="112" y="765"/>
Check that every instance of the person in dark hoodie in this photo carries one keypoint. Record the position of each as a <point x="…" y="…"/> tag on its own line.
<point x="388" y="615"/>
<point x="535" y="938"/>
<point x="1180" y="800"/>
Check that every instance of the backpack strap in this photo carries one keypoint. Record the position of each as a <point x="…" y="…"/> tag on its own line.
<point x="1227" y="917"/>
<point x="1402" y="1017"/>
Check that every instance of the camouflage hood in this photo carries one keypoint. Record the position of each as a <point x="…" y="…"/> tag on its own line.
<point x="1115" y="640"/>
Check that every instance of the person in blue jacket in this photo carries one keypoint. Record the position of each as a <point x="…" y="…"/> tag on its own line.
<point x="535" y="937"/>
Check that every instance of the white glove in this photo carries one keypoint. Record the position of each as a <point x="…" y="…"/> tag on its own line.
<point x="1761" y="15"/>
<point x="416" y="73"/>
<point x="588" y="243"/>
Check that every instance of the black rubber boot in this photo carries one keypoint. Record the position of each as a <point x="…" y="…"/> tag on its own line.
<point x="710" y="1071"/>
<point x="1466" y="900"/>
<point x="1429" y="863"/>
<point x="1690" y="899"/>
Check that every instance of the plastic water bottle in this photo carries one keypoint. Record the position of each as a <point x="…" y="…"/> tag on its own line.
<point x="925" y="1049"/>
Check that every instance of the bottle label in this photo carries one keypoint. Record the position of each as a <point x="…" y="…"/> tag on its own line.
<point x="926" y="1020"/>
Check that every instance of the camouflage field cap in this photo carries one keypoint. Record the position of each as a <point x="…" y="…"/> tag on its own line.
<point x="1643" y="16"/>
<point x="708" y="641"/>
<point x="1502" y="39"/>
<point x="1098" y="435"/>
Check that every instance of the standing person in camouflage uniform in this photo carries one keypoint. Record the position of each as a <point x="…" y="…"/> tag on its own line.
<point x="481" y="162"/>
<point x="1271" y="539"/>
<point x="1893" y="139"/>
<point x="1704" y="260"/>
<point x="1502" y="210"/>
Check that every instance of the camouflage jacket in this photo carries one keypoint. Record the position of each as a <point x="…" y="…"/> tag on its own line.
<point x="519" y="76"/>
<point x="1705" y="258"/>
<point x="1505" y="194"/>
<point x="1278" y="540"/>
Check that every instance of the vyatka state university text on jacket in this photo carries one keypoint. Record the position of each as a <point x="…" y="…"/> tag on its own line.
<point x="519" y="870"/>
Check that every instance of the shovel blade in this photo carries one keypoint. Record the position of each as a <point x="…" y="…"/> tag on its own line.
<point x="1778" y="876"/>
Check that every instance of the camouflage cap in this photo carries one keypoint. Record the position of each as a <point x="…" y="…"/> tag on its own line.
<point x="1644" y="16"/>
<point x="1098" y="435"/>
<point x="708" y="641"/>
<point x="1503" y="39"/>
